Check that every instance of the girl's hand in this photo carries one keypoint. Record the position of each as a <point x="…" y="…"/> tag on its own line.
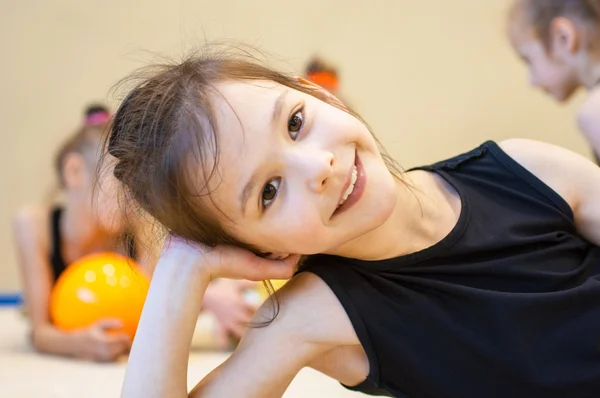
<point x="230" y="262"/>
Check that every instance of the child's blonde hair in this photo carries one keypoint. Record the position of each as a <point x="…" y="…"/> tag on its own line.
<point x="86" y="141"/>
<point x="539" y="14"/>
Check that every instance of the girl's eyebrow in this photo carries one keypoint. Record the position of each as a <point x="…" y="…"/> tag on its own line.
<point x="278" y="106"/>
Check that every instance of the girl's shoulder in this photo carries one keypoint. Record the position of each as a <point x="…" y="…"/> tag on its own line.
<point x="309" y="309"/>
<point x="569" y="174"/>
<point x="31" y="225"/>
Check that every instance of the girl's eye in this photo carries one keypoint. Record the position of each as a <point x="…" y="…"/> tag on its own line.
<point x="269" y="192"/>
<point x="295" y="124"/>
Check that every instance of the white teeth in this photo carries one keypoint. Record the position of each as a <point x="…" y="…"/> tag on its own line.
<point x="350" y="187"/>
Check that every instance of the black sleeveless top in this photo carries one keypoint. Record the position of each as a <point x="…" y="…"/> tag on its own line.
<point x="57" y="261"/>
<point x="507" y="305"/>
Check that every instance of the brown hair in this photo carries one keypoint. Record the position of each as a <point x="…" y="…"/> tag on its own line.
<point x="165" y="128"/>
<point x="539" y="14"/>
<point x="86" y="140"/>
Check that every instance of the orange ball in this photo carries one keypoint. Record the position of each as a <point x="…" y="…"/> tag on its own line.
<point x="105" y="285"/>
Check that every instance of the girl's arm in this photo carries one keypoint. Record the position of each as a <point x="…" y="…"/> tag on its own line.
<point x="30" y="228"/>
<point x="267" y="358"/>
<point x="572" y="176"/>
<point x="223" y="298"/>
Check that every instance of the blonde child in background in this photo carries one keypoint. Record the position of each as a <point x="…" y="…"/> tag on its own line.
<point x="559" y="40"/>
<point x="50" y="236"/>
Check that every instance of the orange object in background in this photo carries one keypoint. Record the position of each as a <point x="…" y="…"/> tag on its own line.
<point x="276" y="283"/>
<point x="98" y="286"/>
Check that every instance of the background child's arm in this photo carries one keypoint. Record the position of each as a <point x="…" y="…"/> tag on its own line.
<point x="32" y="248"/>
<point x="572" y="176"/>
<point x="588" y="119"/>
<point x="30" y="227"/>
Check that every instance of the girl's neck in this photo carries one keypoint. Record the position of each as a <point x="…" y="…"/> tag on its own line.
<point x="427" y="209"/>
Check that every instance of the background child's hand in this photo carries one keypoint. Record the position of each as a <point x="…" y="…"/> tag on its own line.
<point x="99" y="343"/>
<point x="225" y="299"/>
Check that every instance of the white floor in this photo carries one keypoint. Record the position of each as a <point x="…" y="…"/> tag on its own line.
<point x="25" y="374"/>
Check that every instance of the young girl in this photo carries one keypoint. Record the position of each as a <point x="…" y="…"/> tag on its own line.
<point x="49" y="237"/>
<point x="559" y="40"/>
<point x="473" y="277"/>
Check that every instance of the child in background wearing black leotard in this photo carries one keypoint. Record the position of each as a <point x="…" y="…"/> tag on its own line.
<point x="49" y="237"/>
